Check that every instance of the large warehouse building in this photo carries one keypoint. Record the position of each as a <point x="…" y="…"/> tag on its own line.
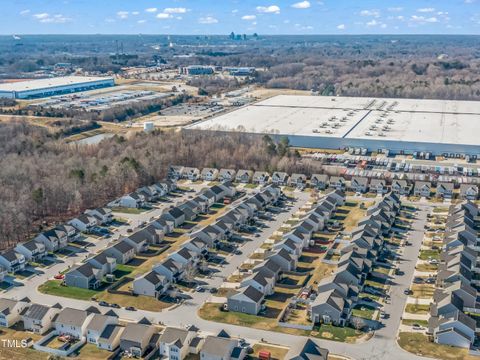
<point x="33" y="89"/>
<point x="398" y="125"/>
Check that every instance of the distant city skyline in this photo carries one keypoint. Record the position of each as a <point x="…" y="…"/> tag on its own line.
<point x="186" y="17"/>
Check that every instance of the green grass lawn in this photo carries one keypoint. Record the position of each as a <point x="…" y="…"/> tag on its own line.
<point x="250" y="186"/>
<point x="363" y="311"/>
<point x="429" y="254"/>
<point x="417" y="309"/>
<point x="128" y="210"/>
<point x="336" y="333"/>
<point x="54" y="287"/>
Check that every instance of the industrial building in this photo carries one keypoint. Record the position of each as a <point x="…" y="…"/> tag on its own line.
<point x="397" y="126"/>
<point x="33" y="89"/>
<point x="193" y="70"/>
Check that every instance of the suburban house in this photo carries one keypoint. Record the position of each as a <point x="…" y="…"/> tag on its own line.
<point x="164" y="223"/>
<point x="358" y="184"/>
<point x="191" y="173"/>
<point x="468" y="192"/>
<point x="175" y="214"/>
<point x="280" y="178"/>
<point x="11" y="311"/>
<point x="198" y="245"/>
<point x="84" y="222"/>
<point x="270" y="267"/>
<point x="337" y="183"/>
<point x="244" y="176"/>
<point x="378" y="186"/>
<point x="286" y="261"/>
<point x="39" y="318"/>
<point x="71" y="232"/>
<point x="110" y="337"/>
<point x="226" y="175"/>
<point x="185" y="257"/>
<point x="171" y="269"/>
<point x="248" y="301"/>
<point x="209" y="174"/>
<point x="138" y="240"/>
<point x="32" y="250"/>
<point x="190" y="209"/>
<point x="105" y="263"/>
<point x="174" y="343"/>
<point x="154" y="233"/>
<point x="203" y="204"/>
<point x="150" y="284"/>
<point x="330" y="307"/>
<point x="97" y="325"/>
<point x="84" y="276"/>
<point x="150" y="193"/>
<point x="319" y="181"/>
<point x="132" y="200"/>
<point x="53" y="239"/>
<point x="175" y="172"/>
<point x="401" y="187"/>
<point x="104" y="216"/>
<point x="311" y="351"/>
<point x="260" y="177"/>
<point x="221" y="348"/>
<point x="422" y="189"/>
<point x="262" y="280"/>
<point x="12" y="261"/>
<point x="444" y="190"/>
<point x="298" y="180"/>
<point x="136" y="338"/>
<point x="122" y="251"/>
<point x="72" y="322"/>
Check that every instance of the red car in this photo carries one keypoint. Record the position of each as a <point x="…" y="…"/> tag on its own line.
<point x="59" y="277"/>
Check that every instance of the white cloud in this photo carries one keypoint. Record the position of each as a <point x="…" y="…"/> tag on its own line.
<point x="25" y="12"/>
<point x="341" y="27"/>
<point x="272" y="9"/>
<point x="151" y="10"/>
<point x="163" y="16"/>
<point x="249" y="17"/>
<point x="395" y="9"/>
<point x="141" y="21"/>
<point x="46" y="18"/>
<point x="234" y="11"/>
<point x="207" y="20"/>
<point x="470" y="1"/>
<point x="426" y="10"/>
<point x="122" y="14"/>
<point x="301" y="5"/>
<point x="423" y="19"/>
<point x="372" y="23"/>
<point x="373" y="13"/>
<point x="135" y="13"/>
<point x="383" y="26"/>
<point x="179" y="10"/>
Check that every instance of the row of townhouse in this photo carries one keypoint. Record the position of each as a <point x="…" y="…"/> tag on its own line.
<point x="15" y="259"/>
<point x="337" y="294"/>
<point x="458" y="280"/>
<point x="156" y="282"/>
<point x="89" y="275"/>
<point x="133" y="339"/>
<point x="283" y="256"/>
<point x="145" y="195"/>
<point x="323" y="181"/>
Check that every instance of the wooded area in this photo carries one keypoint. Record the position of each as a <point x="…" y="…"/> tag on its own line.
<point x="44" y="180"/>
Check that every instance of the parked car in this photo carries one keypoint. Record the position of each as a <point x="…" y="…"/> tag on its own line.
<point x="213" y="290"/>
<point x="200" y="289"/>
<point x="407" y="292"/>
<point x="130" y="308"/>
<point x="103" y="303"/>
<point x="116" y="306"/>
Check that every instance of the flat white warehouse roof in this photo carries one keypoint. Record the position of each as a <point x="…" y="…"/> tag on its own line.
<point x="41" y="84"/>
<point x="404" y="120"/>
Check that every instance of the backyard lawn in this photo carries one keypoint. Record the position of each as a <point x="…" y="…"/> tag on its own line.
<point x="92" y="352"/>
<point x="276" y="352"/>
<point x="20" y="352"/>
<point x="125" y="210"/>
<point x="429" y="254"/>
<point x="336" y="333"/>
<point x="363" y="311"/>
<point x="420" y="345"/>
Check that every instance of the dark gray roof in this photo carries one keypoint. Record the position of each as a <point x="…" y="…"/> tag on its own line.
<point x="123" y="247"/>
<point x="37" y="311"/>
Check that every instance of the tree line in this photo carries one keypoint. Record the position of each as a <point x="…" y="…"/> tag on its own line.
<point x="45" y="181"/>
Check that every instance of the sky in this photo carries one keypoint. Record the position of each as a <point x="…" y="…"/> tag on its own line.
<point x="241" y="16"/>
